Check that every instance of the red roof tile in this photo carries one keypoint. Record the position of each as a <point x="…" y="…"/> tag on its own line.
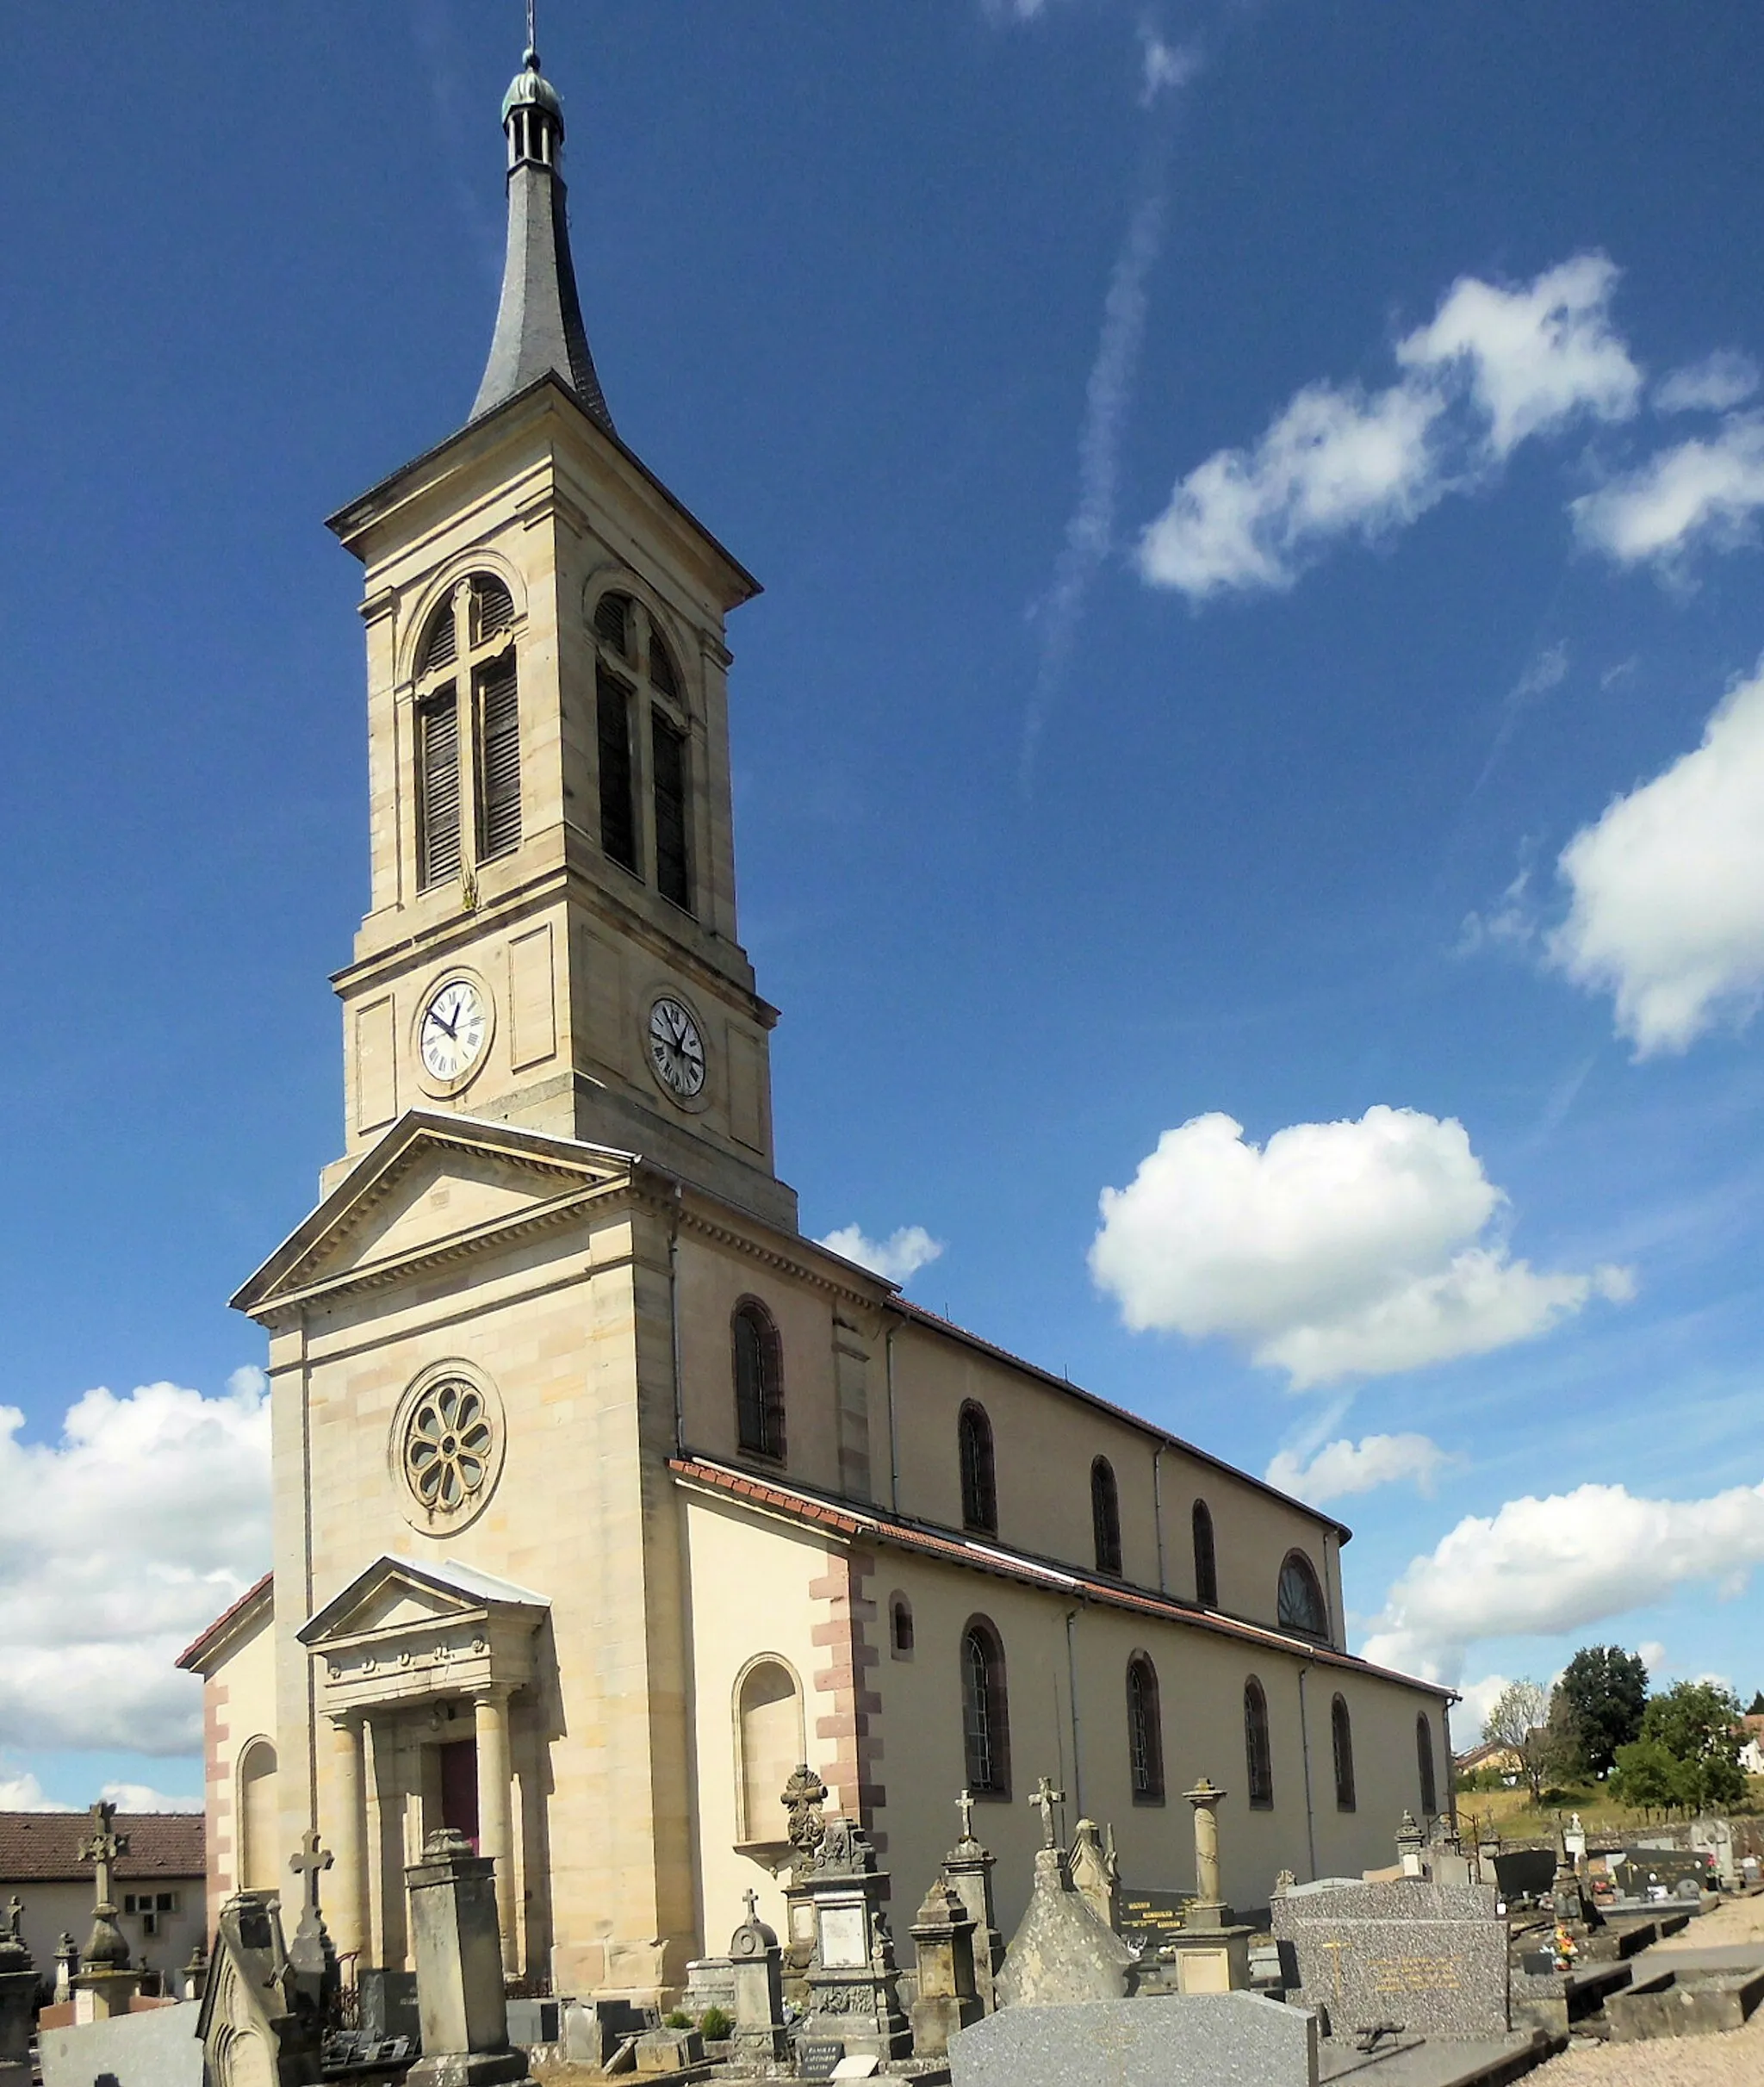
<point x="38" y="1846"/>
<point x="879" y="1526"/>
<point x="198" y="1647"/>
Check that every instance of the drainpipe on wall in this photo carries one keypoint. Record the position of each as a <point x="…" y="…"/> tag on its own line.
<point x="1158" y="1513"/>
<point x="1071" y="1692"/>
<point x="1305" y="1746"/>
<point x="674" y="1325"/>
<point x="893" y="1328"/>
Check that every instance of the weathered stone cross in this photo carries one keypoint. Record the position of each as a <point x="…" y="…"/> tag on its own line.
<point x="965" y="1805"/>
<point x="753" y="1899"/>
<point x="1045" y="1797"/>
<point x="307" y="1865"/>
<point x="101" y="1847"/>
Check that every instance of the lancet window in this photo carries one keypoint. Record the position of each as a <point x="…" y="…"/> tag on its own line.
<point x="1105" y="1517"/>
<point x="759" y="1382"/>
<point x="1341" y="1741"/>
<point x="641" y="718"/>
<point x="980" y="1490"/>
<point x="985" y="1716"/>
<point x="1145" y="1730"/>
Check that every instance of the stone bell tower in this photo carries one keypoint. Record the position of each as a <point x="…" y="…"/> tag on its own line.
<point x="550" y="940"/>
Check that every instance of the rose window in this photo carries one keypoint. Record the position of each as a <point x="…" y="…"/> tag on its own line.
<point x="448" y="1442"/>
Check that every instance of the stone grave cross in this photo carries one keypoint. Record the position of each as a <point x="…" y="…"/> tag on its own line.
<point x="101" y="1847"/>
<point x="1045" y="1797"/>
<point x="751" y="1899"/>
<point x="965" y="1805"/>
<point x="309" y="1865"/>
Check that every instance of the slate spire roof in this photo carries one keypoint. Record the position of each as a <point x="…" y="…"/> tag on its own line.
<point x="539" y="330"/>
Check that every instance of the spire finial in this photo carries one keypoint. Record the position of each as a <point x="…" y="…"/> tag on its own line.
<point x="533" y="57"/>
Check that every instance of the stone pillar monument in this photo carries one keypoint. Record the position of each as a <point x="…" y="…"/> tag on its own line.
<point x="754" y="1958"/>
<point x="1212" y="1953"/>
<point x="496" y="1812"/>
<point x="348" y="1838"/>
<point x="853" y="1989"/>
<point x="66" y="1963"/>
<point x="461" y="1999"/>
<point x="106" y="1985"/>
<point x="943" y="1935"/>
<point x="967" y="1870"/>
<point x="18" y="1989"/>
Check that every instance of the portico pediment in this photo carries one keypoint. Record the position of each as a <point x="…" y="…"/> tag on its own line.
<point x="400" y="1630"/>
<point x="434" y="1188"/>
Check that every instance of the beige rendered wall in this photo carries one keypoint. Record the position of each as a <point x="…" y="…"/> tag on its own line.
<point x="564" y="1326"/>
<point x="238" y="1708"/>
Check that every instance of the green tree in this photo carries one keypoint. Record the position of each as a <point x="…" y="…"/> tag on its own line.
<point x="1648" y="1776"/>
<point x="1757" y="1709"/>
<point x="1699" y="1725"/>
<point x="1519" y="1720"/>
<point x="1604" y="1692"/>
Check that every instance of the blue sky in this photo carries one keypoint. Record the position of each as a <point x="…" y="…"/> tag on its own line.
<point x="1257" y="508"/>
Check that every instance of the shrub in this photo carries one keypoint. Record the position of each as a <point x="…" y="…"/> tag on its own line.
<point x="714" y="2025"/>
<point x="678" y="2020"/>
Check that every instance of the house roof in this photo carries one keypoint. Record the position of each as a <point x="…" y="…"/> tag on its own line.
<point x="201" y="1649"/>
<point x="872" y="1525"/>
<point x="41" y="1847"/>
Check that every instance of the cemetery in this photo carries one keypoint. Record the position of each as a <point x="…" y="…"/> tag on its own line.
<point x="1453" y="1966"/>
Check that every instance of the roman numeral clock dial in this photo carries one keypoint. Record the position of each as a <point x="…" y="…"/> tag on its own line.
<point x="454" y="1031"/>
<point x="676" y="1050"/>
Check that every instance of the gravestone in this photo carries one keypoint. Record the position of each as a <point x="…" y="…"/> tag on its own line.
<point x="967" y="1870"/>
<point x="854" y="1985"/>
<point x="1149" y="1919"/>
<point x="460" y="2001"/>
<point x="943" y="1935"/>
<point x="1432" y="1958"/>
<point x="158" y="2048"/>
<point x="105" y="1985"/>
<point x="1524" y="1872"/>
<point x="1061" y="1952"/>
<point x="1652" y="1874"/>
<point x="756" y="1990"/>
<point x="1095" y="1874"/>
<point x="1198" y="2040"/>
<point x="18" y="1989"/>
<point x="252" y="2029"/>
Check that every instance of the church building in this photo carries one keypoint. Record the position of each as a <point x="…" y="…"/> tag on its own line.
<point x="603" y="1497"/>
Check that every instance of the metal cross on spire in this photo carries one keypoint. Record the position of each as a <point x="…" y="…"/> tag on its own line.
<point x="532" y="39"/>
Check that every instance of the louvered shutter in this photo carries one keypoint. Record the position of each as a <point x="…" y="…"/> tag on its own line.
<point x="492" y="608"/>
<point x="439" y="647"/>
<point x="612" y="623"/>
<point x="617" y="815"/>
<point x="661" y="673"/>
<point x="499" y="759"/>
<point x="673" y="870"/>
<point x="438" y="798"/>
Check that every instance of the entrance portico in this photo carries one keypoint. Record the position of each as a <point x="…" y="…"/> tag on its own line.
<point x="415" y="1664"/>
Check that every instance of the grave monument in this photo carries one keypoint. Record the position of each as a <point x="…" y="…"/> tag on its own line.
<point x="1061" y="1954"/>
<point x="755" y="1960"/>
<point x="18" y="1989"/>
<point x="967" y="1870"/>
<point x="854" y="1984"/>
<point x="461" y="1999"/>
<point x="105" y="1985"/>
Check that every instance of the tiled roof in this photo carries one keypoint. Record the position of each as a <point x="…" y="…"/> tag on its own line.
<point x="40" y="1847"/>
<point x="872" y="1525"/>
<point x="198" y="1647"/>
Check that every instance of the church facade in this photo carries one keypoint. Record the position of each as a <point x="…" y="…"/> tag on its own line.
<point x="603" y="1497"/>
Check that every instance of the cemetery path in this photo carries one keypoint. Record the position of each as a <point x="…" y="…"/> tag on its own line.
<point x="1734" y="2060"/>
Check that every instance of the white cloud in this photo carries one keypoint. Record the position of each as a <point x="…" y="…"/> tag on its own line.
<point x="23" y="1792"/>
<point x="142" y="1797"/>
<point x="1342" y="1468"/>
<point x="1337" y="1250"/>
<point x="1544" y="1567"/>
<point x="1469" y="1717"/>
<point x="1667" y="909"/>
<point x="897" y="1258"/>
<point x="1697" y="491"/>
<point x="119" y="1543"/>
<point x="1163" y="64"/>
<point x="1654" y="1657"/>
<point x="1537" y="356"/>
<point x="1719" y="382"/>
<point x="1493" y="367"/>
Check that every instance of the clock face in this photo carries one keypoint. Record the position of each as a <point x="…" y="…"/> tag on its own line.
<point x="676" y="1049"/>
<point x="453" y="1031"/>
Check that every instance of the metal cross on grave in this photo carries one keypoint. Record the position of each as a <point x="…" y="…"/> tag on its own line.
<point x="1045" y="1797"/>
<point x="101" y="1847"/>
<point x="307" y="1866"/>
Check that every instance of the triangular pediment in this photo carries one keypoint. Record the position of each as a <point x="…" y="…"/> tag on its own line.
<point x="393" y="1595"/>
<point x="434" y="1187"/>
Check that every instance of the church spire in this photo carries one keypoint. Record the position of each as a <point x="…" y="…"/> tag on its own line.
<point x="539" y="326"/>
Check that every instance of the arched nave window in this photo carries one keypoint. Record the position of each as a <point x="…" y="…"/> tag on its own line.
<point x="986" y="1712"/>
<point x="1259" y="1758"/>
<point x="759" y="1380"/>
<point x="1301" y="1606"/>
<point x="979" y="1491"/>
<point x="1105" y="1517"/>
<point x="1206" y="1559"/>
<point x="1341" y="1741"/>
<point x="1145" y="1730"/>
<point x="1424" y="1762"/>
